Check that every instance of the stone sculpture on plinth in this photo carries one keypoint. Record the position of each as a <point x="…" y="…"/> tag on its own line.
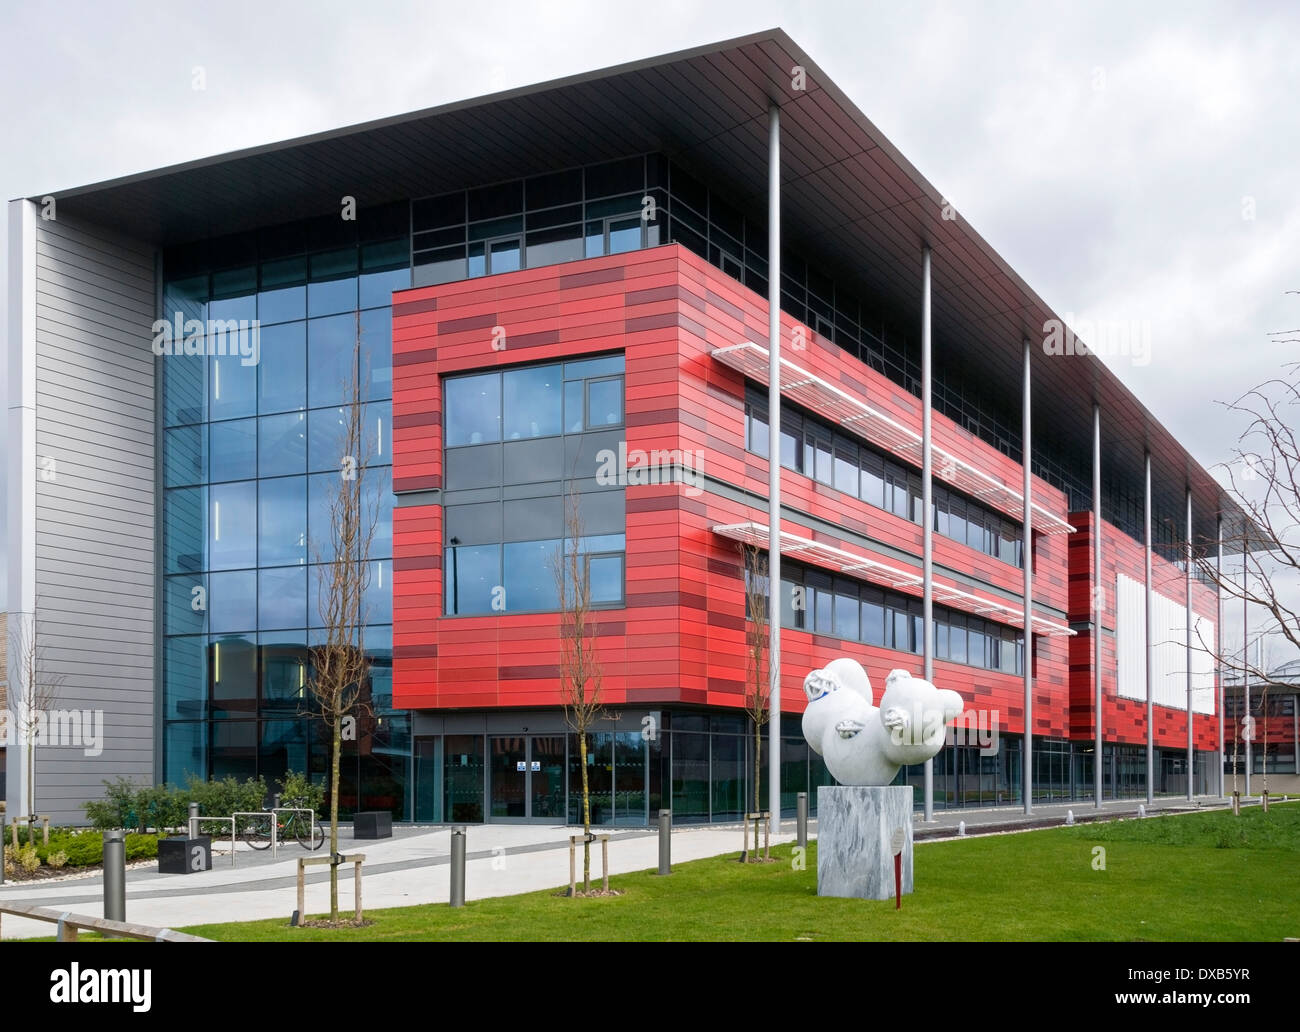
<point x="864" y="746"/>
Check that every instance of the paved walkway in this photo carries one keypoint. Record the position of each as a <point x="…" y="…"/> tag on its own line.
<point x="412" y="867"/>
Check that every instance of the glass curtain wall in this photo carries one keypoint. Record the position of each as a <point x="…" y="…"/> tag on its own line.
<point x="251" y="447"/>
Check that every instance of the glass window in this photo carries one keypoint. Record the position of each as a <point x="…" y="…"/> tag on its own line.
<point x="233" y="382"/>
<point x="282" y="368"/>
<point x="232" y="521"/>
<point x="504" y="255"/>
<point x="185" y="606"/>
<point x="185" y="455"/>
<point x="385" y="268"/>
<point x="873" y="616"/>
<point x="326" y="434"/>
<point x="552" y="246"/>
<point x="331" y="345"/>
<point x="624" y="235"/>
<point x="473" y="413"/>
<point x="283" y="296"/>
<point x="532" y="402"/>
<point x="282" y="598"/>
<point x="605" y="578"/>
<point x="605" y="402"/>
<point x="282" y="522"/>
<point x="282" y="444"/>
<point x="184" y="524"/>
<point x="377" y="604"/>
<point x="234" y="294"/>
<point x="846" y="610"/>
<point x="234" y="675"/>
<point x="232" y="601"/>
<point x="233" y="450"/>
<point x="333" y="286"/>
<point x="846" y="467"/>
<point x="472" y="572"/>
<point x="956" y="637"/>
<point x="791" y="604"/>
<point x="377" y="354"/>
<point x="530" y="576"/>
<point x="443" y="265"/>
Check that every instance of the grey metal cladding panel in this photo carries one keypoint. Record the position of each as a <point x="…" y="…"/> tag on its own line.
<point x="95" y="520"/>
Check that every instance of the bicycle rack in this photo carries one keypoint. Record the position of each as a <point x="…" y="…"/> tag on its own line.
<point x="223" y="820"/>
<point x="276" y="824"/>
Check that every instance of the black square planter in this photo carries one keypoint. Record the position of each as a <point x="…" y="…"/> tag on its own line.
<point x="372" y="825"/>
<point x="180" y="855"/>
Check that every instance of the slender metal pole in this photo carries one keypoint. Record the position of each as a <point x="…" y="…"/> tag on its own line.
<point x="1191" y="754"/>
<point x="1243" y="717"/>
<point x="1146" y="523"/>
<point x="774" y="460"/>
<point x="666" y="841"/>
<point x="801" y="810"/>
<point x="1098" y="608"/>
<point x="1027" y="550"/>
<point x="927" y="511"/>
<point x="1218" y="650"/>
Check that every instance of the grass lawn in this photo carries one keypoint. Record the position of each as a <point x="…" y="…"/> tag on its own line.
<point x="1207" y="876"/>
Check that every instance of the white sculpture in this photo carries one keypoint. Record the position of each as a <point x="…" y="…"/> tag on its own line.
<point x="863" y="744"/>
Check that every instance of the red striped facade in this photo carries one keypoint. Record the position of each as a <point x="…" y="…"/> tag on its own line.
<point x="680" y="637"/>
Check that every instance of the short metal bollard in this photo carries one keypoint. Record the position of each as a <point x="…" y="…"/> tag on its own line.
<point x="194" y="820"/>
<point x="665" y="842"/>
<point x="115" y="875"/>
<point x="801" y="801"/>
<point x="457" y="867"/>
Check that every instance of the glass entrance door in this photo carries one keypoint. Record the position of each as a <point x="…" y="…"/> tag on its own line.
<point x="509" y="777"/>
<point x="546" y="776"/>
<point x="527" y="777"/>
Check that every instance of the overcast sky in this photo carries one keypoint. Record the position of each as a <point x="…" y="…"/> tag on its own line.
<point x="1134" y="162"/>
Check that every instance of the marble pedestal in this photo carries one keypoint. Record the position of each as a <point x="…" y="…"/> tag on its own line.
<point x="855" y="825"/>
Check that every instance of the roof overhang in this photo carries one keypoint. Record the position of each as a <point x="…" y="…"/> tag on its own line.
<point x="848" y="197"/>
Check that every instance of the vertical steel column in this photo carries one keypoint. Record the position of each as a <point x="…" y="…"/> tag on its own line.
<point x="1219" y="690"/>
<point x="1098" y="607"/>
<point x="774" y="463"/>
<point x="1150" y="645"/>
<point x="1027" y="533"/>
<point x="927" y="517"/>
<point x="1191" y="753"/>
<point x="1245" y="662"/>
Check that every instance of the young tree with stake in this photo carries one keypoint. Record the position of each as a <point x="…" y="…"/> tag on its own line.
<point x="339" y="663"/>
<point x="579" y="668"/>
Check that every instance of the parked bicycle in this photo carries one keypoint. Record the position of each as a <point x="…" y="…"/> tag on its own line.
<point x="290" y="826"/>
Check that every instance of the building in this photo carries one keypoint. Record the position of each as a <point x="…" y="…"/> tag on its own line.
<point x="542" y="279"/>
<point x="1269" y="742"/>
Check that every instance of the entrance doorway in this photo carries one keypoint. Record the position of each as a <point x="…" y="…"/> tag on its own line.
<point x="526" y="777"/>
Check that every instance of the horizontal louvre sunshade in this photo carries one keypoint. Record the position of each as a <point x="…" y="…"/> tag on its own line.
<point x="882" y="573"/>
<point x="830" y="402"/>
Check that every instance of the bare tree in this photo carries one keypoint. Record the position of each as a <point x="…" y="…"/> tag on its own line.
<point x="339" y="664"/>
<point x="32" y="696"/>
<point x="1263" y="478"/>
<point x="580" y="667"/>
<point x="757" y="687"/>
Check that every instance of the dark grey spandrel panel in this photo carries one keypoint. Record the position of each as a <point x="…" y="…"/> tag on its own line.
<point x="528" y="462"/>
<point x="534" y="519"/>
<point x="472" y="467"/>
